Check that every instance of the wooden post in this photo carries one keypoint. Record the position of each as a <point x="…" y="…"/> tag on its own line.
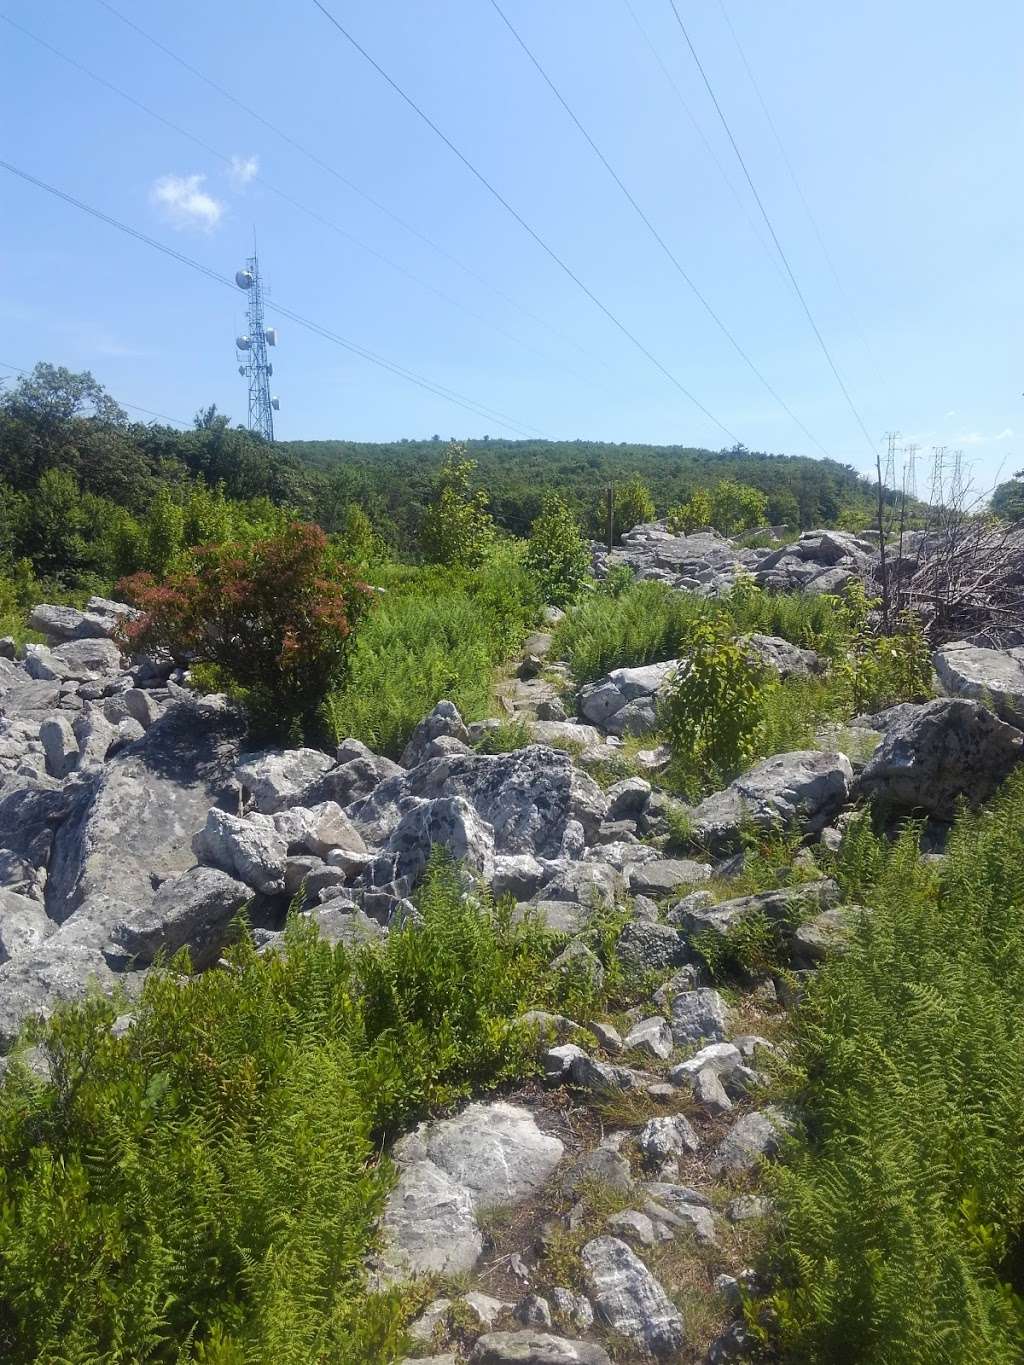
<point x="610" y="499"/>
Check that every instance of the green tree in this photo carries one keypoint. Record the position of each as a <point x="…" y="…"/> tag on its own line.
<point x="737" y="507"/>
<point x="1008" y="499"/>
<point x="557" y="555"/>
<point x="632" y="505"/>
<point x="457" y="528"/>
<point x="692" y="515"/>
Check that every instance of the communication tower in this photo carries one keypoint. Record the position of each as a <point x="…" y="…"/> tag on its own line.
<point x="252" y="353"/>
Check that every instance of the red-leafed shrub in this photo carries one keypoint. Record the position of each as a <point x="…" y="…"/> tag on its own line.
<point x="273" y="617"/>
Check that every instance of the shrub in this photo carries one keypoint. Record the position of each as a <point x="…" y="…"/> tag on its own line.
<point x="713" y="709"/>
<point x="644" y="623"/>
<point x="275" y="617"/>
<point x="557" y="554"/>
<point x="903" y="1201"/>
<point x="692" y="515"/>
<point x="457" y="528"/>
<point x="632" y="505"/>
<point x="729" y="507"/>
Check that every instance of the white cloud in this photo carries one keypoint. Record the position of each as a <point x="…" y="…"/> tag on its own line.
<point x="950" y="413"/>
<point x="184" y="202"/>
<point x="1003" y="435"/>
<point x="243" y="169"/>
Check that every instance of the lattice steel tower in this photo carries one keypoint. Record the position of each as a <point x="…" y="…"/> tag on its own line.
<point x="252" y="349"/>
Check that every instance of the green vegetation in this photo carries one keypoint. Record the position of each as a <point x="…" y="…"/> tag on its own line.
<point x="457" y="528"/>
<point x="203" y="1186"/>
<point x="728" y="507"/>
<point x="436" y="633"/>
<point x="557" y="555"/>
<point x="902" y="1205"/>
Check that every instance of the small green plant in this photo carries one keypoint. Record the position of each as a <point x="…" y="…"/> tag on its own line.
<point x="504" y="738"/>
<point x="457" y="528"/>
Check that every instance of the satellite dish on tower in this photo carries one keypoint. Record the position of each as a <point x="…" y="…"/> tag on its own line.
<point x="244" y="279"/>
<point x="243" y="343"/>
<point x="275" y="403"/>
<point x="252" y="352"/>
<point x="271" y="335"/>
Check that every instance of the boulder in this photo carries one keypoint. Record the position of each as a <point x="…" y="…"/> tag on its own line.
<point x="142" y="706"/>
<point x="992" y="675"/>
<point x="278" y="778"/>
<point x="530" y="797"/>
<point x="95" y="737"/>
<point x="318" y="829"/>
<point x="625" y="702"/>
<point x="517" y="874"/>
<point x="699" y="1016"/>
<point x="24" y="925"/>
<point x="629" y="1298"/>
<point x="443" y="722"/>
<point x="89" y="660"/>
<point x="68" y="623"/>
<point x="932" y="755"/>
<point x="193" y="911"/>
<point x="627" y="799"/>
<point x="650" y="947"/>
<point x="652" y="1037"/>
<point x="344" y="923"/>
<point x="752" y="1138"/>
<point x="491" y="1155"/>
<point x="588" y="883"/>
<point x="789" y="661"/>
<point x="662" y="876"/>
<point x="665" y="1137"/>
<point x="36" y="981"/>
<point x="533" y="1347"/>
<point x="780" y="905"/>
<point x="448" y="821"/>
<point x="804" y="790"/>
<point x="59" y="745"/>
<point x="359" y="772"/>
<point x="131" y="824"/>
<point x="249" y="849"/>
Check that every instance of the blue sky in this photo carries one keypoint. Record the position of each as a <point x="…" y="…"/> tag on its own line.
<point x="903" y="121"/>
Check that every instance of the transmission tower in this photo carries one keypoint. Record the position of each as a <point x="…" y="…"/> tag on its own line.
<point x="252" y="353"/>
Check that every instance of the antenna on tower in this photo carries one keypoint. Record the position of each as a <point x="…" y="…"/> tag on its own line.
<point x="252" y="351"/>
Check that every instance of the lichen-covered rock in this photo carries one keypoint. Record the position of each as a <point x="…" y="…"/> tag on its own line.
<point x="24" y="925"/>
<point x="662" y="876"/>
<point x="670" y="1135"/>
<point x="278" y="778"/>
<point x="443" y="722"/>
<point x="931" y="755"/>
<point x="533" y="1347"/>
<point x="59" y="745"/>
<point x="249" y="849"/>
<point x="699" y="1016"/>
<point x="318" y="829"/>
<point x="650" y="947"/>
<point x="752" y="1138"/>
<point x="986" y="675"/>
<point x="449" y="822"/>
<point x="193" y="911"/>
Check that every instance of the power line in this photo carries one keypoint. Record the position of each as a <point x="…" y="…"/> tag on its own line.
<point x="768" y="223"/>
<point x="799" y="188"/>
<point x="674" y="84"/>
<point x="281" y="194"/>
<point x="496" y="194"/>
<point x="439" y="389"/>
<point x="175" y="421"/>
<point x="680" y="270"/>
<point x="326" y="166"/>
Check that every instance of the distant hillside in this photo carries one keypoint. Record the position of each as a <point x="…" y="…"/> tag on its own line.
<point x="396" y="476"/>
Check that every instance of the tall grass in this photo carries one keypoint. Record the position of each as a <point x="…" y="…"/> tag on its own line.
<point x="435" y="634"/>
<point x="902" y="1239"/>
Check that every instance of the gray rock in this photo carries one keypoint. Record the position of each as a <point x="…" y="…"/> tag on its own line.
<point x="986" y="675"/>
<point x="529" y="796"/>
<point x="279" y="778"/>
<point x="699" y="1016"/>
<point x="665" y="875"/>
<point x="24" y="925"/>
<point x="746" y="1208"/>
<point x="142" y="706"/>
<point x="577" y="958"/>
<point x="722" y="1058"/>
<point x="59" y="745"/>
<point x="443" y="722"/>
<point x="358" y="774"/>
<point x="558" y="1061"/>
<point x="130" y="826"/>
<point x="532" y="1347"/>
<point x="68" y="623"/>
<point x="626" y="799"/>
<point x="653" y="1037"/>
<point x="802" y="790"/>
<point x="933" y="754"/>
<point x="95" y="737"/>
<point x="87" y="660"/>
<point x="789" y="661"/>
<point x="603" y="1167"/>
<point x="434" y="1316"/>
<point x="632" y="1226"/>
<point x="486" y="1310"/>
<point x="557" y="917"/>
<point x="490" y="1155"/>
<point x="547" y="1025"/>
<point x="350" y="926"/>
<point x="777" y="906"/>
<point x="572" y="1308"/>
<point x="318" y="829"/>
<point x="602" y="1077"/>
<point x="517" y="874"/>
<point x="324" y="883"/>
<point x="827" y="934"/>
<point x="35" y="982"/>
<point x="629" y="1298"/>
<point x="298" y="867"/>
<point x="449" y="821"/>
<point x="126" y="732"/>
<point x="650" y="947"/>
<point x="195" y="911"/>
<point x="608" y="1036"/>
<point x="666" y="1137"/>
<point x="710" y="1094"/>
<point x="249" y="849"/>
<point x="752" y="1138"/>
<point x="589" y="883"/>
<point x="533" y="1311"/>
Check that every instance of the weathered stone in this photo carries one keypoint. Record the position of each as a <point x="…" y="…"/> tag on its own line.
<point x="443" y="722"/>
<point x="632" y="1226"/>
<point x="558" y="1061"/>
<point x="722" y="1058"/>
<point x="931" y="755"/>
<point x="142" y="706"/>
<point x="827" y="934"/>
<point x="359" y="772"/>
<point x="533" y="1311"/>
<point x="517" y="874"/>
<point x="578" y="959"/>
<point x="529" y="796"/>
<point x="532" y="1347"/>
<point x="589" y="883"/>
<point x="995" y="676"/>
<point x="789" y="661"/>
<point x="278" y="778"/>
<point x="572" y="1308"/>
<point x="448" y="821"/>
<point x="249" y="849"/>
<point x="801" y="790"/>
<point x="318" y="829"/>
<point x="95" y="736"/>
<point x="710" y="1093"/>
<point x="85" y="660"/>
<point x="699" y="1016"/>
<point x="608" y="1036"/>
<point x="68" y="623"/>
<point x="59" y="745"/>
<point x="777" y="906"/>
<point x="131" y="824"/>
<point x="345" y="924"/>
<point x="666" y="1137"/>
<point x="626" y="799"/>
<point x="590" y="1074"/>
<point x="195" y="911"/>
<point x="653" y="1037"/>
<point x="629" y="1298"/>
<point x="548" y="1026"/>
<point x="650" y="947"/>
<point x="36" y="981"/>
<point x="664" y="875"/>
<point x="752" y="1138"/>
<point x="24" y="925"/>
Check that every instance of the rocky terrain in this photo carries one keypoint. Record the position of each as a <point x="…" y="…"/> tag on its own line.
<point x="136" y="820"/>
